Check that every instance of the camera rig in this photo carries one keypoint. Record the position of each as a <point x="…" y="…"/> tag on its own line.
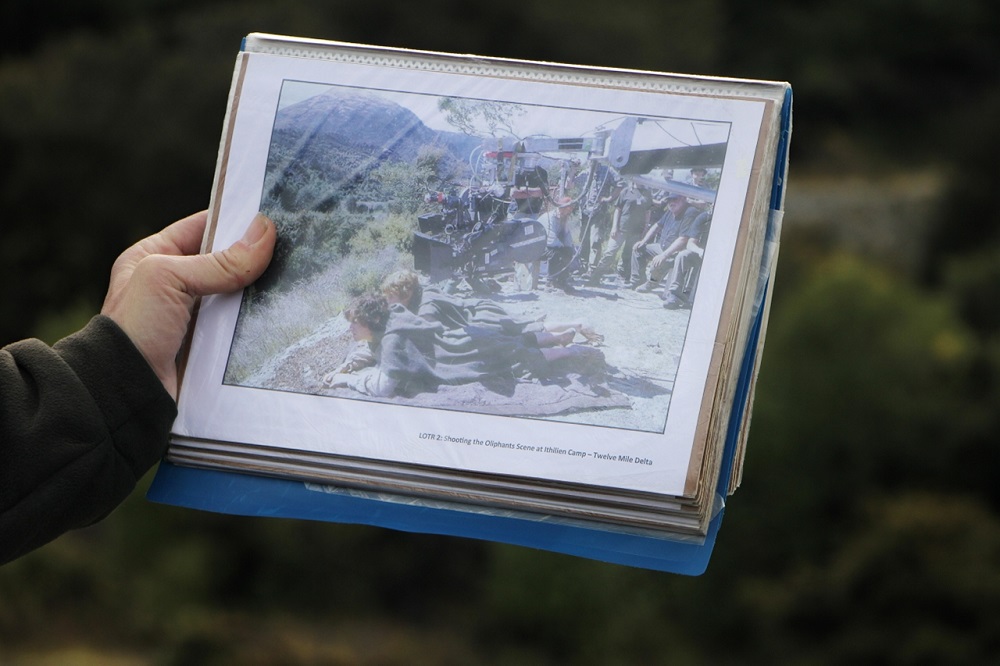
<point x="489" y="224"/>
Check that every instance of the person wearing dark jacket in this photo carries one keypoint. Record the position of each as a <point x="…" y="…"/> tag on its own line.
<point x="82" y="421"/>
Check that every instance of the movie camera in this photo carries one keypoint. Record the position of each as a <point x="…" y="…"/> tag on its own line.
<point x="489" y="224"/>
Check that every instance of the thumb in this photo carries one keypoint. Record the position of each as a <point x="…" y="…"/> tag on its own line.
<point x="233" y="268"/>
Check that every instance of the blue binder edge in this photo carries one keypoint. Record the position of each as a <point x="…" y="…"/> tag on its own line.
<point x="248" y="495"/>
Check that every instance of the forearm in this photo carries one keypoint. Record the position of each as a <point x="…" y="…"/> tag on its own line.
<point x="360" y="356"/>
<point x="679" y="244"/>
<point x="81" y="422"/>
<point x="371" y="381"/>
<point x="616" y="222"/>
<point x="650" y="234"/>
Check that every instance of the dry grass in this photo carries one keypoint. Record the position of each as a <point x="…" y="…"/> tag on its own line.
<point x="273" y="323"/>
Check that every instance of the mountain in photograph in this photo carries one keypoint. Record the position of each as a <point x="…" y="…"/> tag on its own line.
<point x="339" y="136"/>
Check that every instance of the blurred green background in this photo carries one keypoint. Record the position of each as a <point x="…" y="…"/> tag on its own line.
<point x="866" y="530"/>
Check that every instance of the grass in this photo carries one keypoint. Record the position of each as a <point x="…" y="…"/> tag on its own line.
<point x="273" y="322"/>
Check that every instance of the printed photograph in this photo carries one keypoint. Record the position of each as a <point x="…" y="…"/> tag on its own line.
<point x="478" y="255"/>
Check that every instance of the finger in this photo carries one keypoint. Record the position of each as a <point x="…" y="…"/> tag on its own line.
<point x="183" y="237"/>
<point x="230" y="269"/>
<point x="187" y="235"/>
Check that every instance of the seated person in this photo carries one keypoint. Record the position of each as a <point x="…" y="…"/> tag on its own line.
<point x="687" y="263"/>
<point x="671" y="233"/>
<point x="414" y="355"/>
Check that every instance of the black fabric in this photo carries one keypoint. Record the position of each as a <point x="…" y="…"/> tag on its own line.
<point x="80" y="423"/>
<point x="635" y="207"/>
<point x="672" y="228"/>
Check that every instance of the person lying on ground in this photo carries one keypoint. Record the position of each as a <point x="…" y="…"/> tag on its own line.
<point x="414" y="355"/>
<point x="454" y="312"/>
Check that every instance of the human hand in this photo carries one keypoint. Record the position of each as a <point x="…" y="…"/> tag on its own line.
<point x="337" y="375"/>
<point x="658" y="261"/>
<point x="154" y="285"/>
<point x="337" y="380"/>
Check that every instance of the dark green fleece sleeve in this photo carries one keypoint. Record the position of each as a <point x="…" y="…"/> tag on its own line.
<point x="80" y="423"/>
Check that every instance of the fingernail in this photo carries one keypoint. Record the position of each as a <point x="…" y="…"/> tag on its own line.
<point x="257" y="228"/>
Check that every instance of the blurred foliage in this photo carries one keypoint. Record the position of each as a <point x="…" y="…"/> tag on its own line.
<point x="920" y="574"/>
<point x="866" y="529"/>
<point x="865" y="368"/>
<point x="112" y="108"/>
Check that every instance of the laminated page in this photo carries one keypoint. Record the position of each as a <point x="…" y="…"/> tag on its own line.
<point x="508" y="299"/>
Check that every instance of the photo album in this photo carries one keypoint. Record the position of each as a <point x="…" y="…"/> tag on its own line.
<point x="509" y="300"/>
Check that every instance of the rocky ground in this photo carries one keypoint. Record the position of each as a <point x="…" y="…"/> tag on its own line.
<point x="642" y="345"/>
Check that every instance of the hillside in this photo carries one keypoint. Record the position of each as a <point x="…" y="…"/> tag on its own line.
<point x="341" y="135"/>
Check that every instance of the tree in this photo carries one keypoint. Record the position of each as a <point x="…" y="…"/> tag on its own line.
<point x="481" y="117"/>
<point x="917" y="582"/>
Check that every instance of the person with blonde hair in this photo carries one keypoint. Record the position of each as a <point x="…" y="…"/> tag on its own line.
<point x="410" y="338"/>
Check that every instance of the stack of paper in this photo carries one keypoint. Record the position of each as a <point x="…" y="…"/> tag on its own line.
<point x="528" y="376"/>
